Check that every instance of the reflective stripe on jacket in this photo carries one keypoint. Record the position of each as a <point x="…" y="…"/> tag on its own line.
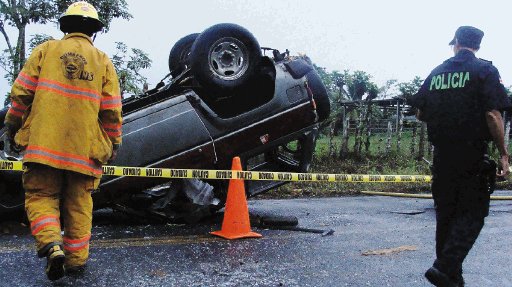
<point x="66" y="104"/>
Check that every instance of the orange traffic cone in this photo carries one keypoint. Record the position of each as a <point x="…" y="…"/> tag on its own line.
<point x="236" y="222"/>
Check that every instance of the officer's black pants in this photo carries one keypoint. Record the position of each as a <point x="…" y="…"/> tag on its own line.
<point x="462" y="202"/>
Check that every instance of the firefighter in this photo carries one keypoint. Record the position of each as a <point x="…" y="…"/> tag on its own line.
<point x="66" y="117"/>
<point x="461" y="102"/>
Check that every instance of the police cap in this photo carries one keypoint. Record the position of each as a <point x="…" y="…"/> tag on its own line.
<point x="468" y="36"/>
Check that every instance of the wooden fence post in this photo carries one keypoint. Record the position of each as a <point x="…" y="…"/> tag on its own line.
<point x="400" y="117"/>
<point x="368" y="125"/>
<point x="397" y="115"/>
<point x="421" y="145"/>
<point x="390" y="134"/>
<point x="359" y="131"/>
<point x="413" y="139"/>
<point x="345" y="136"/>
<point x="332" y="146"/>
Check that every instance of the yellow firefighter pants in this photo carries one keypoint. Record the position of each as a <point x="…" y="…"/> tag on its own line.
<point x="52" y="194"/>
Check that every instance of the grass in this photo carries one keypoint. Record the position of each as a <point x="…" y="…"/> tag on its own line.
<point x="375" y="161"/>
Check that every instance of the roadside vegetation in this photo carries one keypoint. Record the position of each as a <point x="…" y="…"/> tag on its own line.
<point x="374" y="162"/>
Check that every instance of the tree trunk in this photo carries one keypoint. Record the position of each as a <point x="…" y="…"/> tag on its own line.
<point x="20" y="49"/>
<point x="6" y="37"/>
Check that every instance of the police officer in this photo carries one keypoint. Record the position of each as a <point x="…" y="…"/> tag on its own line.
<point x="66" y="115"/>
<point x="461" y="102"/>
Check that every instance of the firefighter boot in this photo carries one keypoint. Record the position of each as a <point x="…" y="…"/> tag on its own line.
<point x="55" y="263"/>
<point x="75" y="271"/>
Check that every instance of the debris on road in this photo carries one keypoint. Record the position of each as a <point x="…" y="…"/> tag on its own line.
<point x="390" y="251"/>
<point x="324" y="232"/>
<point x="409" y="212"/>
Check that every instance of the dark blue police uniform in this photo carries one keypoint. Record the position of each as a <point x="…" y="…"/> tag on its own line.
<point x="453" y="102"/>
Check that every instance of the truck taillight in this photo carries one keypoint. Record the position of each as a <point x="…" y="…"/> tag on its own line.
<point x="310" y="94"/>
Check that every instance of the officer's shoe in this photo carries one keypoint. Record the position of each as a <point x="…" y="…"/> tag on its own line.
<point x="55" y="263"/>
<point x="440" y="279"/>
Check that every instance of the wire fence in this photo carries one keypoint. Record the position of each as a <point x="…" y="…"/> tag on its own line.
<point x="376" y="130"/>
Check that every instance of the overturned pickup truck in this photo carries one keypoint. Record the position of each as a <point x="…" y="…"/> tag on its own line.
<point x="226" y="98"/>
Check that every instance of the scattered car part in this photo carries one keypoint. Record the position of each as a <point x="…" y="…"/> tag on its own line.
<point x="325" y="232"/>
<point x="273" y="220"/>
<point x="281" y="222"/>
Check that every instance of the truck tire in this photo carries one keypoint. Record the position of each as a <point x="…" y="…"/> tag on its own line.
<point x="179" y="57"/>
<point x="3" y="113"/>
<point x="224" y="57"/>
<point x="12" y="200"/>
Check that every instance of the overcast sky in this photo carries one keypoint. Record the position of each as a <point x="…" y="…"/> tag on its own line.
<point x="389" y="39"/>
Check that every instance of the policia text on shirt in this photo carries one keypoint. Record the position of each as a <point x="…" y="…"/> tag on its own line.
<point x="449" y="81"/>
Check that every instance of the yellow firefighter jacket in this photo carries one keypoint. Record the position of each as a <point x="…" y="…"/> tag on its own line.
<point x="66" y="104"/>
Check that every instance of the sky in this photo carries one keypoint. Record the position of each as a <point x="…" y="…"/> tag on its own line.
<point x="393" y="39"/>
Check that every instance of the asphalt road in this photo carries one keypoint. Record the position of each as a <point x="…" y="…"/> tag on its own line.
<point x="131" y="254"/>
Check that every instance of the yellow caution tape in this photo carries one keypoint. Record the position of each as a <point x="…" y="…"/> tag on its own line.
<point x="11" y="165"/>
<point x="246" y="175"/>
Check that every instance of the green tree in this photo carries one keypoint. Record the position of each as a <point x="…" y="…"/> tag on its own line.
<point x="338" y="82"/>
<point x="410" y="88"/>
<point x="388" y="90"/>
<point x="358" y="85"/>
<point x="128" y="66"/>
<point x="20" y="13"/>
<point x="372" y="91"/>
<point x="354" y="85"/>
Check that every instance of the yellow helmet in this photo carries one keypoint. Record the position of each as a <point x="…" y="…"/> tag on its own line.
<point x="80" y="17"/>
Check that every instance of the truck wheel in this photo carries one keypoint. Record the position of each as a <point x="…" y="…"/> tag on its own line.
<point x="4" y="143"/>
<point x="224" y="57"/>
<point x="12" y="199"/>
<point x="179" y="57"/>
<point x="3" y="113"/>
<point x="323" y="104"/>
<point x="6" y="153"/>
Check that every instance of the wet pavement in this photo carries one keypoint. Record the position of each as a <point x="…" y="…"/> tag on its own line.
<point x="400" y="231"/>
